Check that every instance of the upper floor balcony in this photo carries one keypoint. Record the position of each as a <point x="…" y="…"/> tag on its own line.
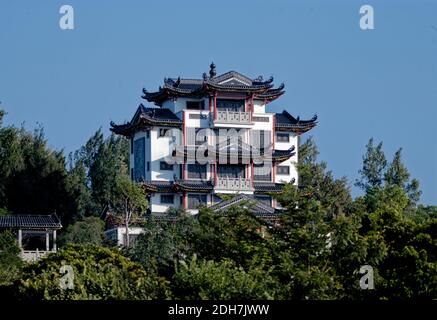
<point x="234" y="112"/>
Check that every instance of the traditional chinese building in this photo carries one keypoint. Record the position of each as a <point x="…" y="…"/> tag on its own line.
<point x="212" y="136"/>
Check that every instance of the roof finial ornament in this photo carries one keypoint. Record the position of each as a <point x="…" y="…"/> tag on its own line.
<point x="259" y="79"/>
<point x="204" y="76"/>
<point x="178" y="82"/>
<point x="212" y="72"/>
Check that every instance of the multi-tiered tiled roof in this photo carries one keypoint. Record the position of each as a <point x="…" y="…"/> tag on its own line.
<point x="231" y="81"/>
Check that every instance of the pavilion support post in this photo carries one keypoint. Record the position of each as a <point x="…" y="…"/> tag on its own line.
<point x="47" y="241"/>
<point x="20" y="238"/>
<point x="54" y="240"/>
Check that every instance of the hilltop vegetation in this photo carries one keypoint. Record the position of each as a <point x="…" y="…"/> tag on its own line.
<point x="324" y="236"/>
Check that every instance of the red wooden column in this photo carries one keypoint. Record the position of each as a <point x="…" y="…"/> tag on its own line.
<point x="210" y="104"/>
<point x="215" y="105"/>
<point x="215" y="174"/>
<point x="184" y="138"/>
<point x="273" y="144"/>
<point x="252" y="176"/>
<point x="273" y="131"/>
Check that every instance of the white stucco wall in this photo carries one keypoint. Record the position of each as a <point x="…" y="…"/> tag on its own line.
<point x="259" y="106"/>
<point x="290" y="162"/>
<point x="117" y="234"/>
<point x="157" y="207"/>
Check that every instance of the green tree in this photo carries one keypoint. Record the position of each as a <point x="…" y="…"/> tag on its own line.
<point x="10" y="261"/>
<point x="238" y="235"/>
<point x="224" y="280"/>
<point x="94" y="169"/>
<point x="302" y="248"/>
<point x="397" y="175"/>
<point x="30" y="170"/>
<point x="163" y="243"/>
<point x="334" y="194"/>
<point x="88" y="231"/>
<point x="374" y="165"/>
<point x="129" y="200"/>
<point x="99" y="273"/>
<point x="81" y="203"/>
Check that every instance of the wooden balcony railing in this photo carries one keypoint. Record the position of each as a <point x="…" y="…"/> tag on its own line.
<point x="234" y="117"/>
<point x="234" y="184"/>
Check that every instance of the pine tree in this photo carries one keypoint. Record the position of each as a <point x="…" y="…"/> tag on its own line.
<point x="374" y="165"/>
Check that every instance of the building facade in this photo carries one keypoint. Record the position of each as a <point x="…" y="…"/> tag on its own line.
<point x="212" y="136"/>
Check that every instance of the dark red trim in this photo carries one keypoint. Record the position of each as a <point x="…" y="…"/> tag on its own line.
<point x="273" y="172"/>
<point x="185" y="200"/>
<point x="230" y="96"/>
<point x="210" y="104"/>
<point x="183" y="141"/>
<point x="274" y="131"/>
<point x="252" y="176"/>
<point x="215" y="105"/>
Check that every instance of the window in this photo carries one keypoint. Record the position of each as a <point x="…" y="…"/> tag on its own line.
<point x="139" y="159"/>
<point x="285" y="170"/>
<point x="162" y="132"/>
<point x="261" y="139"/>
<point x="282" y="137"/>
<point x="196" y="136"/>
<point x="196" y="171"/>
<point x="165" y="166"/>
<point x="132" y="145"/>
<point x="196" y="200"/>
<point x="231" y="105"/>
<point x="196" y="105"/>
<point x="201" y="136"/>
<point x="167" y="198"/>
<point x="148" y="134"/>
<point x="262" y="172"/>
<point x="231" y="171"/>
<point x="148" y="165"/>
<point x="260" y="119"/>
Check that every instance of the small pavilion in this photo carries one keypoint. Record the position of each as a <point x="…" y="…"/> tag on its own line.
<point x="36" y="234"/>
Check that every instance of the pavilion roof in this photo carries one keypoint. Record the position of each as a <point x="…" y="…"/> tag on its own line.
<point x="286" y="122"/>
<point x="147" y="117"/>
<point x="31" y="222"/>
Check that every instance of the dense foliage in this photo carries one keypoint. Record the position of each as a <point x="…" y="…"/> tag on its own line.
<point x="98" y="273"/>
<point x="10" y="262"/>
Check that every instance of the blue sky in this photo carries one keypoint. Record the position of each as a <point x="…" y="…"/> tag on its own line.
<point x="380" y="83"/>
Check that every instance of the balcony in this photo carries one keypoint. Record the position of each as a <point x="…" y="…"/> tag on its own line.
<point x="234" y="184"/>
<point x="232" y="117"/>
